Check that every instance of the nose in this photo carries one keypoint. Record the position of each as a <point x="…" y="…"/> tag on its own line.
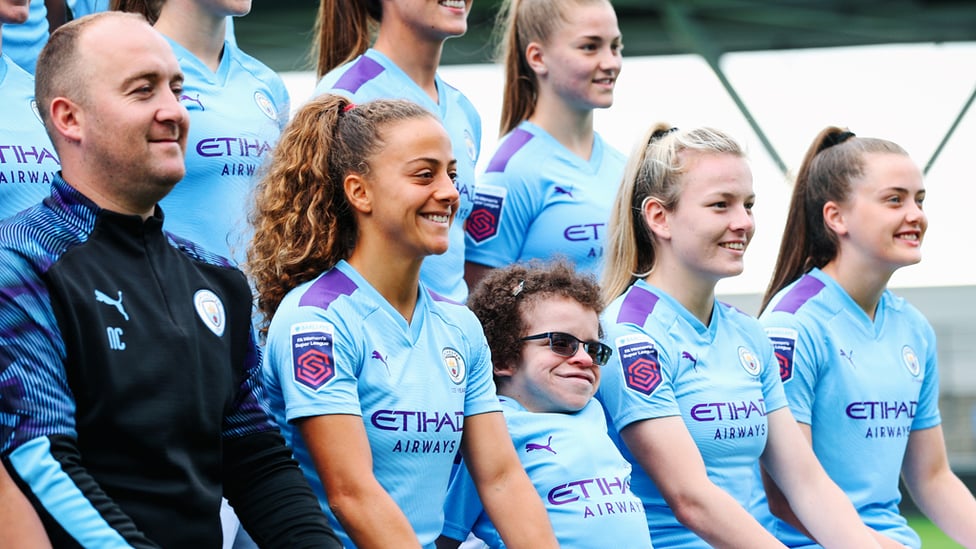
<point x="581" y="357"/>
<point x="447" y="188"/>
<point x="916" y="215"/>
<point x="172" y="111"/>
<point x="611" y="60"/>
<point x="743" y="220"/>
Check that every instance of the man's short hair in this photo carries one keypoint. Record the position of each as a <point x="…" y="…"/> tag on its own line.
<point x="61" y="69"/>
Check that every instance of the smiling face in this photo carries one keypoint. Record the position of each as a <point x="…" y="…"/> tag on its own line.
<point x="409" y="196"/>
<point x="882" y="220"/>
<point x="131" y="127"/>
<point x="582" y="59"/>
<point x="712" y="223"/>
<point x="543" y="381"/>
<point x="434" y="20"/>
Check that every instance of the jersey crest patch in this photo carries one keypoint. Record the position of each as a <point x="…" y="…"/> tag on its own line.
<point x="211" y="311"/>
<point x="454" y="363"/>
<point x="311" y="352"/>
<point x="749" y="361"/>
<point x="482" y="223"/>
<point x="911" y="361"/>
<point x="784" y="344"/>
<point x="642" y="369"/>
<point x="265" y="104"/>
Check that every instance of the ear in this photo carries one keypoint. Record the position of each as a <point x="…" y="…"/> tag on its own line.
<point x="354" y="186"/>
<point x="657" y="218"/>
<point x="834" y="219"/>
<point x="534" y="57"/>
<point x="504" y="371"/>
<point x="66" y="117"/>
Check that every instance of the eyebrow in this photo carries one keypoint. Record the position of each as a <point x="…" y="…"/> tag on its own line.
<point x="151" y="76"/>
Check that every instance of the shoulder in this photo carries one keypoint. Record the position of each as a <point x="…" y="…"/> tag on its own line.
<point x="801" y="297"/>
<point x="453" y="313"/>
<point x="515" y="152"/>
<point x="636" y="306"/>
<point x="260" y="73"/>
<point x="17" y="78"/>
<point x="195" y="252"/>
<point x="906" y="310"/>
<point x="748" y="325"/>
<point x="40" y="235"/>
<point x="611" y="155"/>
<point x="359" y="79"/>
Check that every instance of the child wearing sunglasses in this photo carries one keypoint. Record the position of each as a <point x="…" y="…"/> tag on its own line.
<point x="542" y="325"/>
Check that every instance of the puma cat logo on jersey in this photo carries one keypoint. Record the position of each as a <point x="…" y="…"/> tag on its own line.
<point x="117" y="303"/>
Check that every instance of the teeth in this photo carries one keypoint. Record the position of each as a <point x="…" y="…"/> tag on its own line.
<point x="438" y="218"/>
<point x="734" y="246"/>
<point x="456" y="4"/>
<point x="912" y="236"/>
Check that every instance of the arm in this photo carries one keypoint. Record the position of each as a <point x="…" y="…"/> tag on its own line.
<point x="666" y="451"/>
<point x="818" y="503"/>
<point x="40" y="447"/>
<point x="19" y="525"/>
<point x="507" y="493"/>
<point x="937" y="491"/>
<point x="270" y="494"/>
<point x="780" y="507"/>
<point x="340" y="449"/>
<point x="261" y="479"/>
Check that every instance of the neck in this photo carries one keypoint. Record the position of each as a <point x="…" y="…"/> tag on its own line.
<point x="396" y="279"/>
<point x="419" y="61"/>
<point x="694" y="294"/>
<point x="572" y="128"/>
<point x="104" y="198"/>
<point x="201" y="33"/>
<point x="865" y="284"/>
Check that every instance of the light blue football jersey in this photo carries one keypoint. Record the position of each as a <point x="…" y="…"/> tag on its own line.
<point x="862" y="386"/>
<point x="536" y="199"/>
<point x="578" y="472"/>
<point x="374" y="76"/>
<point x="335" y="346"/>
<point x="28" y="162"/>
<point x="721" y="379"/>
<point x="236" y="117"/>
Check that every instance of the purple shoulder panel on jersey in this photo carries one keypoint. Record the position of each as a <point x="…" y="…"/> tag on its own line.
<point x="330" y="287"/>
<point x="637" y="306"/>
<point x="807" y="287"/>
<point x="364" y="70"/>
<point x="438" y="297"/>
<point x="515" y="141"/>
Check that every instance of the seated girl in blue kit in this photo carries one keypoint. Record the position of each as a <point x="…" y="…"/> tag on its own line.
<point x="376" y="381"/>
<point x="692" y="388"/>
<point x="856" y="360"/>
<point x="542" y="324"/>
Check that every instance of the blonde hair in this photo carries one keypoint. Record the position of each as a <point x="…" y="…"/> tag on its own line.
<point x="654" y="171"/>
<point x="303" y="224"/>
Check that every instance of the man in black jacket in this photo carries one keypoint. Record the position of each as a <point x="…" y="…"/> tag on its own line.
<point x="129" y="396"/>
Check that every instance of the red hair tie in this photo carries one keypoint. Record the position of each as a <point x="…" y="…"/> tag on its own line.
<point x="349" y="107"/>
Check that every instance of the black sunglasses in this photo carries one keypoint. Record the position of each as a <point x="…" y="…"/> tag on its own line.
<point x="566" y="345"/>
